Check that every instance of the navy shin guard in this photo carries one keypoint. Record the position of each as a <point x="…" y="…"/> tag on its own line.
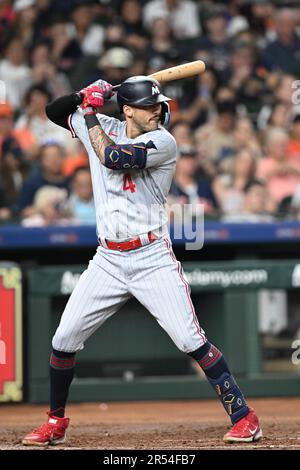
<point x="219" y="376"/>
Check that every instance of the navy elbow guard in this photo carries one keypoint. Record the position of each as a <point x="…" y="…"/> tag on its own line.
<point x="122" y="157"/>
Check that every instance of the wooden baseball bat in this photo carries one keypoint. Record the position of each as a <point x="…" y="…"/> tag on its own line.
<point x="179" y="71"/>
<point x="175" y="73"/>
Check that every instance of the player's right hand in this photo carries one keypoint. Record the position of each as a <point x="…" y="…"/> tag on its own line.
<point x="93" y="97"/>
<point x="92" y="100"/>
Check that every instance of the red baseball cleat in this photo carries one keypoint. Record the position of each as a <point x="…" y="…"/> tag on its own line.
<point x="246" y="429"/>
<point x="51" y="433"/>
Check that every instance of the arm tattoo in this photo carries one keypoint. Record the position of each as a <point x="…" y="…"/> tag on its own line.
<point x="98" y="138"/>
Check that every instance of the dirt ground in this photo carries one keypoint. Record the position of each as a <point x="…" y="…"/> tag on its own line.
<point x="155" y="425"/>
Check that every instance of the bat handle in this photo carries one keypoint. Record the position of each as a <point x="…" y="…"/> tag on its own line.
<point x="116" y="87"/>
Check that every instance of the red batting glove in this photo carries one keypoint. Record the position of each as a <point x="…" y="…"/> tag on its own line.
<point x="100" y="85"/>
<point x="93" y="98"/>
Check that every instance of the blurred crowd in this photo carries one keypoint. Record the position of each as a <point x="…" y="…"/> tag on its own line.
<point x="237" y="125"/>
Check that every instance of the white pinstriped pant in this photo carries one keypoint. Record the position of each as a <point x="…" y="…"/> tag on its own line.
<point x="152" y="275"/>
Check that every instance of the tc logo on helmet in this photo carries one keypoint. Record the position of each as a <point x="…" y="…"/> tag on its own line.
<point x="155" y="90"/>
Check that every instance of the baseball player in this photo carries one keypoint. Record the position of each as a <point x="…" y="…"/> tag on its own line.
<point x="132" y="164"/>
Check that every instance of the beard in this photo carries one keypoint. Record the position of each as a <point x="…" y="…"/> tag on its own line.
<point x="147" y="126"/>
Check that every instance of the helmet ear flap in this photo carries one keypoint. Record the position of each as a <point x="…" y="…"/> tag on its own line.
<point x="165" y="113"/>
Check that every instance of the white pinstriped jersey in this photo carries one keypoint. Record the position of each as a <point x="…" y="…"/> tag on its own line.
<point x="129" y="203"/>
<point x="150" y="273"/>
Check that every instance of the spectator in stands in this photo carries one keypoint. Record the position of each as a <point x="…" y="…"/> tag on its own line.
<point x="257" y="205"/>
<point x="14" y="72"/>
<point x="216" y="41"/>
<point x="202" y="104"/>
<point x="49" y="173"/>
<point x="114" y="67"/>
<point x="162" y="46"/>
<point x="115" y="64"/>
<point x="131" y="14"/>
<point x="260" y="14"/>
<point x="285" y="88"/>
<point x="90" y="36"/>
<point x="294" y="142"/>
<point x="46" y="11"/>
<point x="283" y="53"/>
<point x="139" y="65"/>
<point x="292" y="204"/>
<point x="75" y="159"/>
<point x="44" y="72"/>
<point x="183" y="14"/>
<point x="279" y="117"/>
<point x="281" y="175"/>
<point x="7" y="18"/>
<point x="6" y="123"/>
<point x="183" y="134"/>
<point x="215" y="140"/>
<point x="115" y="35"/>
<point x="81" y="197"/>
<point x="35" y="120"/>
<point x="237" y="22"/>
<point x="26" y="15"/>
<point x="186" y="189"/>
<point x="163" y="52"/>
<point x="13" y="171"/>
<point x="50" y="207"/>
<point x="245" y="136"/>
<point x="282" y="88"/>
<point x="243" y="79"/>
<point x="24" y="137"/>
<point x="5" y="212"/>
<point x="241" y="65"/>
<point x="229" y="187"/>
<point x="246" y="36"/>
<point x="65" y="50"/>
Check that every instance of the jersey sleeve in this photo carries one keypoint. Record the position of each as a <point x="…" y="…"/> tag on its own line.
<point x="77" y="125"/>
<point x="162" y="149"/>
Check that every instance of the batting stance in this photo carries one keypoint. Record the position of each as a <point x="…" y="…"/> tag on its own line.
<point x="132" y="164"/>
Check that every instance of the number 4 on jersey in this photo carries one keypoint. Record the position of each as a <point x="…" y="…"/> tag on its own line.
<point x="128" y="183"/>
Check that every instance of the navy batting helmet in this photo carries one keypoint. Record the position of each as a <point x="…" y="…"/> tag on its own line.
<point x="143" y="91"/>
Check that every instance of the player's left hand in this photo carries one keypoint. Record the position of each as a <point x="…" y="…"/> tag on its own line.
<point x="105" y="87"/>
<point x="102" y="86"/>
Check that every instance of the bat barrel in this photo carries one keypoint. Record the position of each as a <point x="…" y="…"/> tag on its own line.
<point x="190" y="69"/>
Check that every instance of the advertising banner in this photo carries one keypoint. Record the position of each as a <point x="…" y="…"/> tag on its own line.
<point x="10" y="333"/>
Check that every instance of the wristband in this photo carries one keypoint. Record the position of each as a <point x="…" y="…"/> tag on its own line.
<point x="91" y="120"/>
